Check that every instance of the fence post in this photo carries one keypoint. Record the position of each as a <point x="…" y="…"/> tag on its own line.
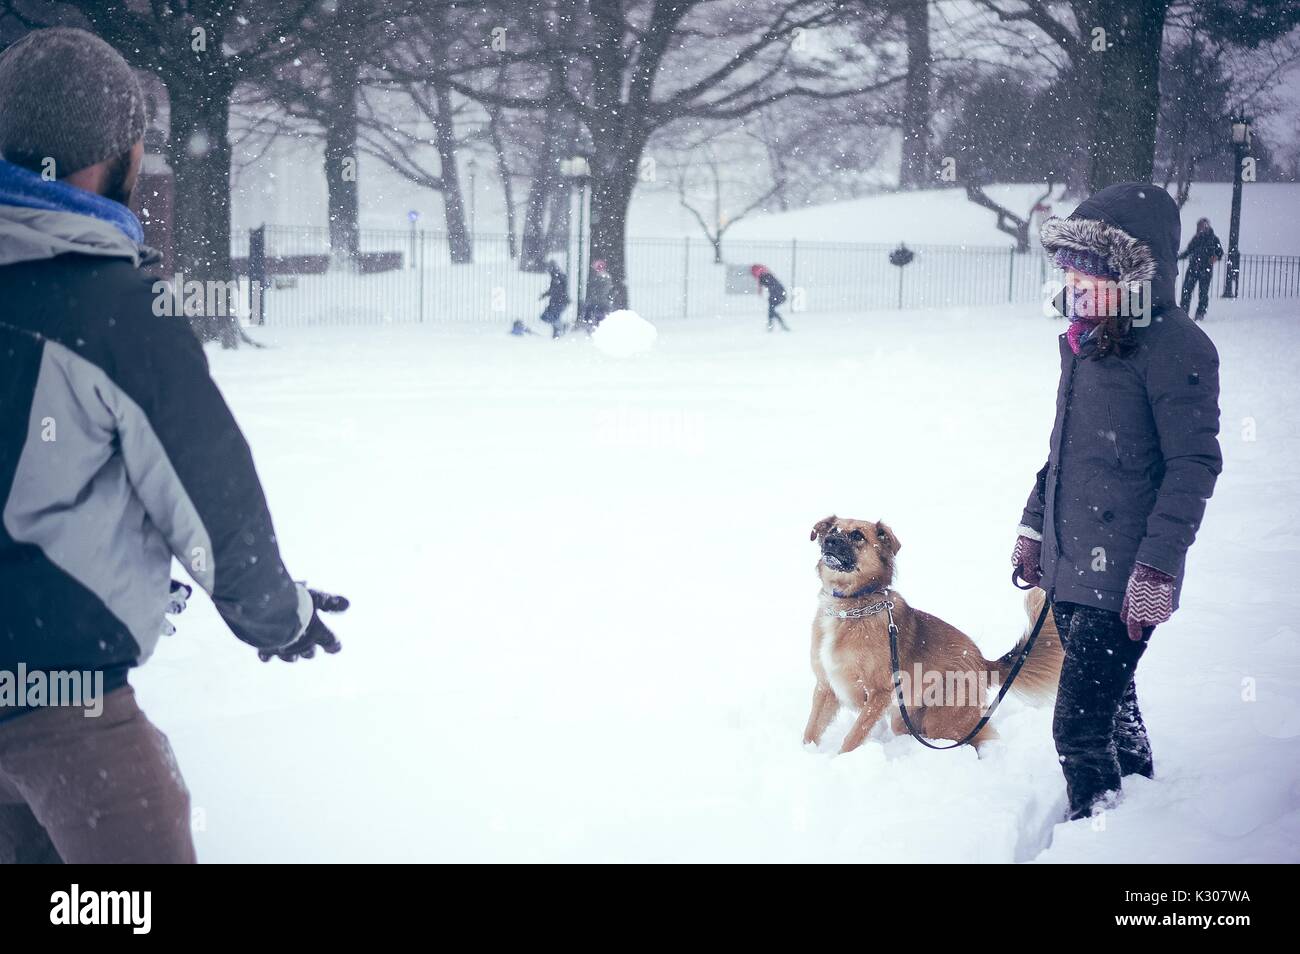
<point x="419" y="264"/>
<point x="794" y="265"/>
<point x="686" y="277"/>
<point x="1011" y="277"/>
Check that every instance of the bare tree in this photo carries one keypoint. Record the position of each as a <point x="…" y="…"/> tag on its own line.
<point x="318" y="94"/>
<point x="716" y="182"/>
<point x="1114" y="48"/>
<point x="914" y="168"/>
<point x="619" y="62"/>
<point x="200" y="50"/>
<point x="1008" y="222"/>
<point x="411" y="128"/>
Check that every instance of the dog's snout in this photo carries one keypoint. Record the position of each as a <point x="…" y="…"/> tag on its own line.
<point x="838" y="548"/>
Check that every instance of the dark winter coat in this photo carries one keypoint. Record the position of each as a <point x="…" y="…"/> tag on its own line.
<point x="117" y="452"/>
<point x="558" y="291"/>
<point x="600" y="293"/>
<point x="1134" y="451"/>
<point x="1202" y="250"/>
<point x="775" y="290"/>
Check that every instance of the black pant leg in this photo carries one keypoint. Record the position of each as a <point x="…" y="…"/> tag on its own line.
<point x="1097" y="672"/>
<point x="1203" y="297"/>
<point x="1132" y="747"/>
<point x="1185" y="294"/>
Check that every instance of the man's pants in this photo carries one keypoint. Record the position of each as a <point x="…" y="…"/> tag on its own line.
<point x="1194" y="277"/>
<point x="1098" y="727"/>
<point x="91" y="790"/>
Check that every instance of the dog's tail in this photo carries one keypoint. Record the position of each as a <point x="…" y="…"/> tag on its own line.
<point x="1038" y="677"/>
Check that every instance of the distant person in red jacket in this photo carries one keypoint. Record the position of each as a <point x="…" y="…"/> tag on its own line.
<point x="775" y="294"/>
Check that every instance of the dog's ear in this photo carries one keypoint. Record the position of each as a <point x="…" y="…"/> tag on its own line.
<point x="821" y="526"/>
<point x="887" y="538"/>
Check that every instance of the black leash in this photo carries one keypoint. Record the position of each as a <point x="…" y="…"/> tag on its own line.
<point x="1006" y="686"/>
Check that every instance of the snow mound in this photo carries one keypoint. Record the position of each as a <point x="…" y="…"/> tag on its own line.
<point x="624" y="333"/>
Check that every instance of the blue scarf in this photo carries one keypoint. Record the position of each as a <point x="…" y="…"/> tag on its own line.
<point x="27" y="190"/>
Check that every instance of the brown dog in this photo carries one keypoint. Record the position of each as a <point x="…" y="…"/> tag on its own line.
<point x="946" y="680"/>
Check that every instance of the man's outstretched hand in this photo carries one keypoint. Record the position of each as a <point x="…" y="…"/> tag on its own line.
<point x="177" y="597"/>
<point x="316" y="633"/>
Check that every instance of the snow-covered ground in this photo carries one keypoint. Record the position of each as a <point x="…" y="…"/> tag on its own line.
<point x="582" y="591"/>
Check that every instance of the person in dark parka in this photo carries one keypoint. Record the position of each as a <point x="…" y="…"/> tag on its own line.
<point x="1133" y="458"/>
<point x="775" y="294"/>
<point x="557" y="295"/>
<point x="1201" y="253"/>
<point x="600" y="296"/>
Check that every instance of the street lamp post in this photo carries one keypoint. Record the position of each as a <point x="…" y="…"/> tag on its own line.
<point x="1240" y="149"/>
<point x="472" y="166"/>
<point x="577" y="170"/>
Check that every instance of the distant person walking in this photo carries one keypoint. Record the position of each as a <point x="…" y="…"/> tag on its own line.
<point x="558" y="299"/>
<point x="775" y="295"/>
<point x="1202" y="252"/>
<point x="600" y="288"/>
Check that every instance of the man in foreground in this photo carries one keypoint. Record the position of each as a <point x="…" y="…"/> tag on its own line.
<point x="117" y="452"/>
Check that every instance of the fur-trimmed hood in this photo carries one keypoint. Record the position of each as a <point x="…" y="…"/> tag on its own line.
<point x="1135" y="225"/>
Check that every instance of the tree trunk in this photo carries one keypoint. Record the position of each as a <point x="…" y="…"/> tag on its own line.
<point x="611" y="197"/>
<point x="559" y="227"/>
<point x="541" y="192"/>
<point x="1128" y="94"/>
<point x="914" y="171"/>
<point x="503" y="173"/>
<point x="341" y="159"/>
<point x="458" y="238"/>
<point x="199" y="153"/>
<point x="531" y="246"/>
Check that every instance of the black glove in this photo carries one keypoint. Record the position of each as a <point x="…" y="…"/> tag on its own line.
<point x="177" y="597"/>
<point x="316" y="633"/>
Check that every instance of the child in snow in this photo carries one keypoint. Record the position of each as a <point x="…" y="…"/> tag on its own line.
<point x="600" y="288"/>
<point x="1201" y="254"/>
<point x="558" y="295"/>
<point x="1133" y="458"/>
<point x="775" y="294"/>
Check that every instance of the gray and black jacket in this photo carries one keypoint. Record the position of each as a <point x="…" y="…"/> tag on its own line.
<point x="117" y="452"/>
<point x="1134" y="451"/>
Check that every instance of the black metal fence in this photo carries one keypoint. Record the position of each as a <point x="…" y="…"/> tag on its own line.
<point x="408" y="276"/>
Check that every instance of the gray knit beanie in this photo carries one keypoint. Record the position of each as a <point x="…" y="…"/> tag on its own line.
<point x="67" y="95"/>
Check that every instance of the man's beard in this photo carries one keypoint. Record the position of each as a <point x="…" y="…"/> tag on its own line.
<point x="116" y="186"/>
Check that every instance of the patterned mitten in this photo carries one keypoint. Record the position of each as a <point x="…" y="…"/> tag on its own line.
<point x="1148" y="600"/>
<point x="1026" y="558"/>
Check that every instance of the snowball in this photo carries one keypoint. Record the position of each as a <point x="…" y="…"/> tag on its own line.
<point x="623" y="333"/>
